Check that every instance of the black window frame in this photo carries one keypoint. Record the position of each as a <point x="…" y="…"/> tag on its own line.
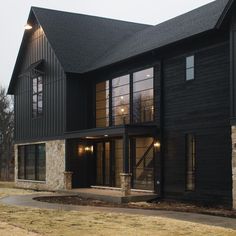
<point x="37" y="96"/>
<point x="189" y="68"/>
<point x="190" y="160"/>
<point x="130" y="74"/>
<point x="24" y="149"/>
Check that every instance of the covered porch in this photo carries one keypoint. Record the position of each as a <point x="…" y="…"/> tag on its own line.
<point x="115" y="159"/>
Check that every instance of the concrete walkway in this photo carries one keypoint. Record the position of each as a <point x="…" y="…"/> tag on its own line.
<point x="28" y="201"/>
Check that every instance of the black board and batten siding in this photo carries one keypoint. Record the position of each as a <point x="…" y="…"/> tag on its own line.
<point x="200" y="107"/>
<point x="51" y="123"/>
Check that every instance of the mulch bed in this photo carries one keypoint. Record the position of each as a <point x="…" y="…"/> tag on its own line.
<point x="158" y="205"/>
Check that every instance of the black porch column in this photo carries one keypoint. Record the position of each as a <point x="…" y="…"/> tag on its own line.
<point x="125" y="153"/>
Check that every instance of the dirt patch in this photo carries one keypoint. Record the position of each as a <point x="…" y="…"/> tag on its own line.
<point x="160" y="205"/>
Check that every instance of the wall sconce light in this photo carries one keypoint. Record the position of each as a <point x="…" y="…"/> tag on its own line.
<point x="89" y="149"/>
<point x="157" y="145"/>
<point x="27" y="27"/>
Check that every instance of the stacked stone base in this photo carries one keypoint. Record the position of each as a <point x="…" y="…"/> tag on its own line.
<point x="55" y="168"/>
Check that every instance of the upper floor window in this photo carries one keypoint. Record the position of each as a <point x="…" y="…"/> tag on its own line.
<point x="190" y="68"/>
<point x="118" y="97"/>
<point x="120" y="100"/>
<point x="102" y="104"/>
<point x="143" y="107"/>
<point x="37" y="103"/>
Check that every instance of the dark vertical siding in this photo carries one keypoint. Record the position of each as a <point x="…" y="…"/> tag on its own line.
<point x="51" y="124"/>
<point x="200" y="107"/>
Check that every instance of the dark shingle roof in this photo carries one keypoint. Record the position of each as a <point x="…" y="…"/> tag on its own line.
<point x="80" y="40"/>
<point x="192" y="23"/>
<point x="83" y="43"/>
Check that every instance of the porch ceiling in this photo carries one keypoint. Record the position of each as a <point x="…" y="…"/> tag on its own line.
<point x="118" y="131"/>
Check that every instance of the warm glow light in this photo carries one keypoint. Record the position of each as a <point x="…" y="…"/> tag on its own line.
<point x="122" y="110"/>
<point x="87" y="148"/>
<point x="121" y="97"/>
<point x="105" y="135"/>
<point x="27" y="27"/>
<point x="157" y="144"/>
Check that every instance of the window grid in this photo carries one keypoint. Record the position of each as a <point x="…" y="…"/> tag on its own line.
<point x="190" y="74"/>
<point x="37" y="104"/>
<point x="190" y="161"/>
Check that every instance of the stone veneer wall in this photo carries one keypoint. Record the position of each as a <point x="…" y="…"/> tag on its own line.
<point x="234" y="165"/>
<point x="55" y="167"/>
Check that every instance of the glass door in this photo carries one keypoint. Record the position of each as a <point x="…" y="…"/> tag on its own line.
<point x="103" y="163"/>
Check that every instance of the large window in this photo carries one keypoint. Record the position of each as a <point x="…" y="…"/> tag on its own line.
<point x="113" y="99"/>
<point x="190" y="141"/>
<point x="120" y="100"/>
<point x="102" y="104"/>
<point x="143" y="107"/>
<point x="37" y="103"/>
<point x="32" y="162"/>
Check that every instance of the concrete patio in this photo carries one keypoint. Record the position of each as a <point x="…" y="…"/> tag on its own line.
<point x="113" y="195"/>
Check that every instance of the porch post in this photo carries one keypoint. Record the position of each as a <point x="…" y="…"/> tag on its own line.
<point x="125" y="177"/>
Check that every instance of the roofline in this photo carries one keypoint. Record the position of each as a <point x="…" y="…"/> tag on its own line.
<point x="224" y="14"/>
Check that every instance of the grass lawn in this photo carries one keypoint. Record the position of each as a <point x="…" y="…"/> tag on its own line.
<point x="29" y="221"/>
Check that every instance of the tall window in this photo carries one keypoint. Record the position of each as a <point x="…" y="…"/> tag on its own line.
<point x="102" y="104"/>
<point x="190" y="141"/>
<point x="32" y="162"/>
<point x="143" y="107"/>
<point x="190" y="68"/>
<point x="37" y="96"/>
<point x="120" y="100"/>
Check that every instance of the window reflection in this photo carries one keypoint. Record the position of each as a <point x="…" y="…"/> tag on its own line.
<point x="120" y="100"/>
<point x="102" y="104"/>
<point x="143" y="107"/>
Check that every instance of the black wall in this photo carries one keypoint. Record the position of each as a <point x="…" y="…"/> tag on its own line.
<point x="51" y="123"/>
<point x="201" y="107"/>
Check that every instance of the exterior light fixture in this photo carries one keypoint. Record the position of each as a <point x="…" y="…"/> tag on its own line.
<point x="122" y="97"/>
<point x="88" y="149"/>
<point x="157" y="145"/>
<point x="105" y="135"/>
<point x="27" y="27"/>
<point x="122" y="110"/>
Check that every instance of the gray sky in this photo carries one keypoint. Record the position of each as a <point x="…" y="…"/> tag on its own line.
<point x="14" y="14"/>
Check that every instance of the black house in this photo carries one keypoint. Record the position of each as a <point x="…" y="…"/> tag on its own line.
<point x="121" y="104"/>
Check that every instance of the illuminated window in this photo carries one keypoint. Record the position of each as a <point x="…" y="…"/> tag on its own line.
<point x="102" y="104"/>
<point x="120" y="100"/>
<point x="143" y="103"/>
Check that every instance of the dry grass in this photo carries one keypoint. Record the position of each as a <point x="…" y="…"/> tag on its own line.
<point x="28" y="221"/>
<point x="73" y="223"/>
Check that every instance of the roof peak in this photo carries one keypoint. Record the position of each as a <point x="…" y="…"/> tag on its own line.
<point x="87" y="15"/>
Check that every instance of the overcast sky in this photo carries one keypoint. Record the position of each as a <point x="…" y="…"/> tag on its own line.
<point x="14" y="14"/>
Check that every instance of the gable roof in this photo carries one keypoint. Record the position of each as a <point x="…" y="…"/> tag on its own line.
<point x="79" y="40"/>
<point x="84" y="43"/>
<point x="184" y="26"/>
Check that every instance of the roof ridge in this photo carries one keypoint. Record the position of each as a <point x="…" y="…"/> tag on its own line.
<point x="92" y="16"/>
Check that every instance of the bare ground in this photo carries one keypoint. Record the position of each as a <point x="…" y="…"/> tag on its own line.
<point x="29" y="221"/>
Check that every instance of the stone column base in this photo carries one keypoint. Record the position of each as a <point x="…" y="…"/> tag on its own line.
<point x="68" y="180"/>
<point x="125" y="179"/>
